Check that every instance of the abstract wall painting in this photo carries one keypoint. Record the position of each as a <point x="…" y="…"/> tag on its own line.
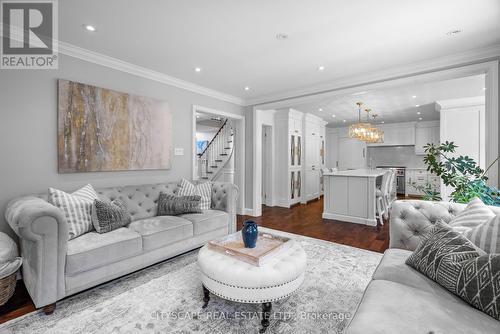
<point x="104" y="130"/>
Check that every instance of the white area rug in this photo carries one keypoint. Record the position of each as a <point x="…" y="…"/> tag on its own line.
<point x="167" y="298"/>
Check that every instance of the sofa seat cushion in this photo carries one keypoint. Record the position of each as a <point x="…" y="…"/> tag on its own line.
<point x="207" y="221"/>
<point x="393" y="308"/>
<point x="161" y="231"/>
<point x="393" y="268"/>
<point x="93" y="250"/>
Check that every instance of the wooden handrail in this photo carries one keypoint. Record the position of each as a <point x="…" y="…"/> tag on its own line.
<point x="206" y="148"/>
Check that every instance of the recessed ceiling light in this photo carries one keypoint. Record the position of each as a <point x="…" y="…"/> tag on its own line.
<point x="247" y="88"/>
<point x="88" y="27"/>
<point x="414" y="96"/>
<point x="417" y="105"/>
<point x="197" y="116"/>
<point x="320" y="109"/>
<point x="321" y="68"/>
<point x="334" y="116"/>
<point x="281" y="36"/>
<point x="484" y="88"/>
<point x="197" y="69"/>
<point x="454" y="32"/>
<point x="382" y="122"/>
<point x="420" y="118"/>
<point x="418" y="112"/>
<point x="344" y="120"/>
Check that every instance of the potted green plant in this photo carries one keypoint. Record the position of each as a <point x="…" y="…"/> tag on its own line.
<point x="462" y="173"/>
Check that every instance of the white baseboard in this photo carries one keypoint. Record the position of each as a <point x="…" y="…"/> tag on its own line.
<point x="252" y="212"/>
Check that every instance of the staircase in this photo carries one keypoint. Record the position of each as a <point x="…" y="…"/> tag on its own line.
<point x="217" y="153"/>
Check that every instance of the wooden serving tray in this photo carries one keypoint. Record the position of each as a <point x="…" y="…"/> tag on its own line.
<point x="267" y="245"/>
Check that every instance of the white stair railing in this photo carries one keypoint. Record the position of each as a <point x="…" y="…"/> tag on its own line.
<point x="217" y="153"/>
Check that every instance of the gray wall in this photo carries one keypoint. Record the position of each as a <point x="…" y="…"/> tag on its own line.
<point x="28" y="128"/>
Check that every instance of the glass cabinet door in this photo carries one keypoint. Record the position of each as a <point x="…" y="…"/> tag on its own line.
<point x="292" y="150"/>
<point x="298" y="184"/>
<point x="292" y="185"/>
<point x="299" y="150"/>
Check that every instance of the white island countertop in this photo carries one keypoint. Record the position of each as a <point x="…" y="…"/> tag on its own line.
<point x="364" y="172"/>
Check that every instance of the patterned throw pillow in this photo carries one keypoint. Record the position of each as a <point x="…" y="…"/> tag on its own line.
<point x="170" y="205"/>
<point x="486" y="236"/>
<point x="440" y="246"/>
<point x="108" y="216"/>
<point x="203" y="189"/>
<point x="474" y="214"/>
<point x="77" y="207"/>
<point x="479" y="283"/>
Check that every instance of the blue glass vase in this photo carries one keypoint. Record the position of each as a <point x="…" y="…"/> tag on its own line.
<point x="250" y="232"/>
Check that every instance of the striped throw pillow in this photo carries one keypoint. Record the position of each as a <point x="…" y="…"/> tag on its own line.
<point x="486" y="236"/>
<point x="203" y="189"/>
<point x="474" y="214"/>
<point x="77" y="207"/>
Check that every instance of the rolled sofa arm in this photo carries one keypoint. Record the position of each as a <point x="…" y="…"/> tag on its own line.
<point x="43" y="237"/>
<point x="411" y="219"/>
<point x="225" y="197"/>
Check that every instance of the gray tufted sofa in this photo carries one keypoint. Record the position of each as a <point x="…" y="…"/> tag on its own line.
<point x="54" y="267"/>
<point x="401" y="300"/>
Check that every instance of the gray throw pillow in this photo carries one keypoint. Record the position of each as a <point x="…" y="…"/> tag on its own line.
<point x="486" y="236"/>
<point x="441" y="245"/>
<point x="170" y="205"/>
<point x="479" y="283"/>
<point x="451" y="260"/>
<point x="109" y="216"/>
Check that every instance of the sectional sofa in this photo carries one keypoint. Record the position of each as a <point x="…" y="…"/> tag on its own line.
<point x="55" y="267"/>
<point x="399" y="299"/>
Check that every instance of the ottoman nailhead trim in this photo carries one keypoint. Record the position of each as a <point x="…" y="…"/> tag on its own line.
<point x="253" y="301"/>
<point x="251" y="288"/>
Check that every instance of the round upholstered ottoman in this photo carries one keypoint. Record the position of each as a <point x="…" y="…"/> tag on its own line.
<point x="238" y="281"/>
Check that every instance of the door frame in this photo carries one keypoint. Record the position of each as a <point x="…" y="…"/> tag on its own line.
<point x="269" y="169"/>
<point x="239" y="158"/>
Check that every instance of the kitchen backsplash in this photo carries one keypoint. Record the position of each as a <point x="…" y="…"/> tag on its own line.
<point x="395" y="156"/>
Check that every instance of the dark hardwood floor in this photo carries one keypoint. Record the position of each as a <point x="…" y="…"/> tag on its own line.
<point x="306" y="220"/>
<point x="300" y="219"/>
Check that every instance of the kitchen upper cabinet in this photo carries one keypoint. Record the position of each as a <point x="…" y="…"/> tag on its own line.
<point x="397" y="134"/>
<point x="426" y="133"/>
<point x="351" y="153"/>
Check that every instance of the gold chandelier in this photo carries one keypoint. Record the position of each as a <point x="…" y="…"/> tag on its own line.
<point x="365" y="131"/>
<point x="359" y="130"/>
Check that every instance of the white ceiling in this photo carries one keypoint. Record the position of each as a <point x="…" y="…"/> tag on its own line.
<point x="234" y="43"/>
<point x="395" y="104"/>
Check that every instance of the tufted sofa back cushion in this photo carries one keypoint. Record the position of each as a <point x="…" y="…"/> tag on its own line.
<point x="141" y="200"/>
<point x="411" y="219"/>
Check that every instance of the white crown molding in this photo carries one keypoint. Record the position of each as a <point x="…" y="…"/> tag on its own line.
<point x="123" y="66"/>
<point x="461" y="103"/>
<point x="426" y="66"/>
<point x="120" y="65"/>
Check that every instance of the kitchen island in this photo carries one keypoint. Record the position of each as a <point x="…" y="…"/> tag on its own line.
<point x="350" y="195"/>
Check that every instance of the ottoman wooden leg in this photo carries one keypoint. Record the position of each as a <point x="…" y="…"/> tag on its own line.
<point x="206" y="297"/>
<point x="266" y="314"/>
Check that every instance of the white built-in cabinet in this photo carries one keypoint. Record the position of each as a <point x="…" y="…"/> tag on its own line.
<point x="314" y="148"/>
<point x="300" y="147"/>
<point x="426" y="133"/>
<point x="289" y="156"/>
